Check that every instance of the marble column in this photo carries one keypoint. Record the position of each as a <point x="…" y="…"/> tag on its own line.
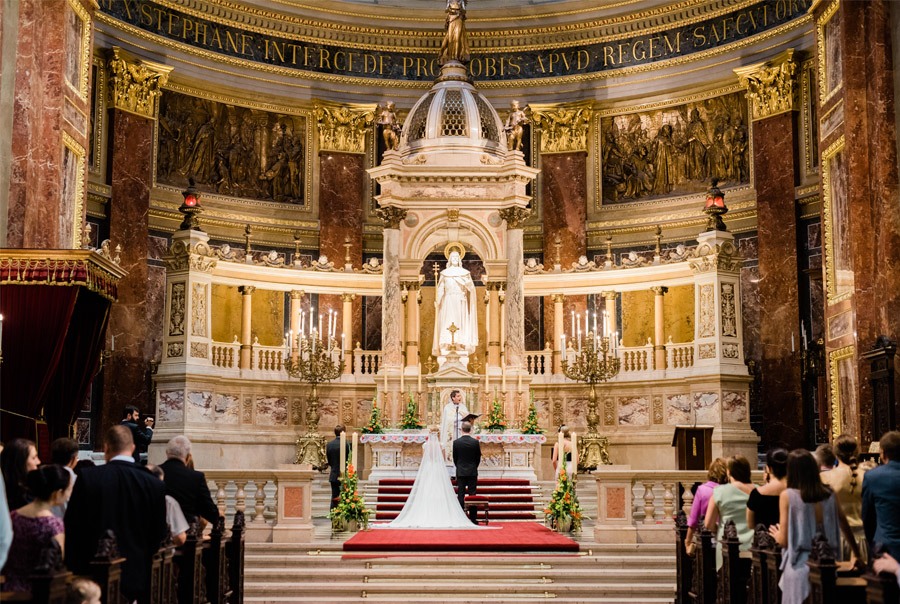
<point x="558" y="300"/>
<point x="612" y="322"/>
<point x="391" y="305"/>
<point x="495" y="328"/>
<point x="135" y="88"/>
<point x="347" y="330"/>
<point x="774" y="143"/>
<point x="659" y="331"/>
<point x="246" y="324"/>
<point x="296" y="305"/>
<point x="515" y="287"/>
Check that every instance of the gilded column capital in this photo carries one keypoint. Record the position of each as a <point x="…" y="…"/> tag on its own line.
<point x="297" y="294"/>
<point x="343" y="128"/>
<point x="771" y="86"/>
<point x="346" y="298"/>
<point x="135" y="84"/>
<point x="609" y="295"/>
<point x="391" y="216"/>
<point x="558" y="298"/>
<point x="410" y="285"/>
<point x="247" y="290"/>
<point x="514" y="216"/>
<point x="659" y="290"/>
<point x="563" y="128"/>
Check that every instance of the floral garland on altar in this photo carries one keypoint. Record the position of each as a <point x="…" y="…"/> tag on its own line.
<point x="410" y="419"/>
<point x="375" y="425"/>
<point x="495" y="420"/>
<point x="531" y="425"/>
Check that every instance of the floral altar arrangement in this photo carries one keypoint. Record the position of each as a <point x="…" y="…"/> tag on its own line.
<point x="531" y="422"/>
<point x="351" y="509"/>
<point x="564" y="513"/>
<point x="375" y="425"/>
<point x="410" y="419"/>
<point x="495" y="420"/>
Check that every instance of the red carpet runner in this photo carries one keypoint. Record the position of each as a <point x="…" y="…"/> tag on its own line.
<point x="510" y="499"/>
<point x="511" y="537"/>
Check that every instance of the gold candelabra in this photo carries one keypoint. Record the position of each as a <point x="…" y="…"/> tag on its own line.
<point x="594" y="361"/>
<point x="315" y="362"/>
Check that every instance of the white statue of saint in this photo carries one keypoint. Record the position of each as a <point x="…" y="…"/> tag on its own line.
<point x="454" y="304"/>
<point x="451" y="420"/>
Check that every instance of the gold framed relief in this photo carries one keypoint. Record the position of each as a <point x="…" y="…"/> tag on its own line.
<point x="73" y="190"/>
<point x="78" y="42"/>
<point x="97" y="116"/>
<point x="842" y="381"/>
<point x="810" y="117"/>
<point x="828" y="34"/>
<point x="839" y="278"/>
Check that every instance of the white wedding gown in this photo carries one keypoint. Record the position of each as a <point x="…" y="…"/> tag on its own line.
<point x="432" y="504"/>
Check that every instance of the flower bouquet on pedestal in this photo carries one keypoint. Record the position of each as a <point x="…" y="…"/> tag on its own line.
<point x="410" y="419"/>
<point x="351" y="512"/>
<point x="531" y="422"/>
<point x="495" y="421"/>
<point x="564" y="513"/>
<point x="375" y="425"/>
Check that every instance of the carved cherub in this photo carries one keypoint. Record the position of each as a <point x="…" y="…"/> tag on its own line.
<point x="273" y="259"/>
<point x="372" y="266"/>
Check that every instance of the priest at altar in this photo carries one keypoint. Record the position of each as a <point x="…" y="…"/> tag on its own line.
<point x="451" y="421"/>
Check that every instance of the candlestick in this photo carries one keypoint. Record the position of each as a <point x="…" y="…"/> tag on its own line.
<point x="320" y="324"/>
<point x="343" y="465"/>
<point x="595" y="324"/>
<point x="287" y="343"/>
<point x="503" y="377"/>
<point x="343" y="344"/>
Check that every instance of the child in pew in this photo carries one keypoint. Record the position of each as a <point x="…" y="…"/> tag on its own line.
<point x="807" y="507"/>
<point x="83" y="591"/>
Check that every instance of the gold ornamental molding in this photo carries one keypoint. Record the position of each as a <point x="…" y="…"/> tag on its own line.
<point x="771" y="86"/>
<point x="63" y="268"/>
<point x="343" y="128"/>
<point x="834" y="382"/>
<point x="563" y="128"/>
<point x="515" y="216"/>
<point x="136" y="84"/>
<point x="391" y="216"/>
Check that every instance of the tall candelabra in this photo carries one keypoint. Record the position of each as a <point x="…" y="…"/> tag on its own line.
<point x="315" y="362"/>
<point x="593" y="361"/>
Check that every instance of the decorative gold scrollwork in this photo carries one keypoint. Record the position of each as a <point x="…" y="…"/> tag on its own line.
<point x="135" y="83"/>
<point x="343" y="128"/>
<point x="563" y="128"/>
<point x="771" y="86"/>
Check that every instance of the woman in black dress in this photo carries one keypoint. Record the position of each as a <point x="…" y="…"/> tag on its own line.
<point x="762" y="506"/>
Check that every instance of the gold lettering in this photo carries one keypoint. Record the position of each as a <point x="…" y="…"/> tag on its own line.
<point x="421" y="67"/>
<point x="339" y="55"/>
<point x="217" y="38"/>
<point x="699" y="37"/>
<point x="565" y="60"/>
<point x="490" y="67"/>
<point x="275" y="50"/>
<point x="145" y="13"/>
<point x="514" y="64"/>
<point x="752" y="19"/>
<point x="780" y="10"/>
<point x="366" y="58"/>
<point x="765" y="8"/>
<point x="127" y="10"/>
<point x="737" y="24"/>
<point x="350" y="56"/>
<point x="475" y="67"/>
<point x="622" y="47"/>
<point x="541" y="64"/>
<point x="324" y="59"/>
<point x="186" y="27"/>
<point x="380" y="64"/>
<point x="714" y="33"/>
<point x="653" y="41"/>
<point x="246" y="39"/>
<point x="231" y="41"/>
<point x="201" y="27"/>
<point x="608" y="56"/>
<point x="677" y="48"/>
<point x="725" y="23"/>
<point x="407" y="63"/>
<point x="306" y="56"/>
<point x="172" y="18"/>
<point x="159" y="18"/>
<point x="554" y="58"/>
<point x="584" y="59"/>
<point x="638" y="51"/>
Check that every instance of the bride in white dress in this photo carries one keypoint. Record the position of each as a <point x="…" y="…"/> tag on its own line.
<point x="432" y="504"/>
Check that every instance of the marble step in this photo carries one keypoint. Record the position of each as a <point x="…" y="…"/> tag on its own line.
<point x="457" y="599"/>
<point x="468" y="573"/>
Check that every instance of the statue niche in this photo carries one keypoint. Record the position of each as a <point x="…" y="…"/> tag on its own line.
<point x="231" y="150"/>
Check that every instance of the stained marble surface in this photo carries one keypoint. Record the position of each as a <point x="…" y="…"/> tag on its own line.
<point x="706" y="405"/>
<point x="271" y="410"/>
<point x="372" y="335"/>
<point x="563" y="194"/>
<point x="170" y="407"/>
<point x="735" y="407"/>
<point x="678" y="409"/>
<point x="533" y="332"/>
<point x="199" y="406"/>
<point x="634" y="411"/>
<point x="515" y="299"/>
<point x="341" y="188"/>
<point x="226" y="408"/>
<point x="778" y="301"/>
<point x="392" y="307"/>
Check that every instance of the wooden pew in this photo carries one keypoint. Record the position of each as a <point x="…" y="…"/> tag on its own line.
<point x="825" y="586"/>
<point x="881" y="588"/>
<point x="234" y="552"/>
<point x="162" y="574"/>
<point x="106" y="569"/>
<point x="735" y="568"/>
<point x="773" y="572"/>
<point x="189" y="562"/>
<point x="684" y="563"/>
<point x="50" y="579"/>
<point x="215" y="565"/>
<point x="763" y="548"/>
<point x="703" y="586"/>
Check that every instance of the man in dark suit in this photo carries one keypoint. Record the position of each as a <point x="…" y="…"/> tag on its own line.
<point x="333" y="455"/>
<point x="188" y="487"/>
<point x="125" y="498"/>
<point x="467" y="457"/>
<point x="141" y="435"/>
<point x="881" y="498"/>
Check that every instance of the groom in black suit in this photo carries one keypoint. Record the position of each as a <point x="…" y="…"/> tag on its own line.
<point x="467" y="457"/>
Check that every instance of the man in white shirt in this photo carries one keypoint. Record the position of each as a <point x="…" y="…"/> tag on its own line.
<point x="451" y="419"/>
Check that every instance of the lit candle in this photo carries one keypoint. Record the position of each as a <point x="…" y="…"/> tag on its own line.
<point x="560" y="452"/>
<point x="319" y="332"/>
<point x="301" y="323"/>
<point x="519" y="385"/>
<point x="573" y="322"/>
<point x="803" y="333"/>
<point x="343" y="465"/>
<point x="354" y="452"/>
<point x="574" y="454"/>
<point x="343" y="344"/>
<point x="585" y="323"/>
<point x="562" y="346"/>
<point x="503" y="377"/>
<point x="792" y="341"/>
<point x="287" y="342"/>
<point x="401" y="377"/>
<point x="1" y="333"/>
<point x="595" y="324"/>
<point x="419" y="379"/>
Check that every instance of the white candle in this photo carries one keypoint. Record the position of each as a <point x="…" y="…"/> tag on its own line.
<point x="560" y="453"/>
<point x="287" y="342"/>
<point x="574" y="454"/>
<point x="792" y="341"/>
<point x="503" y="377"/>
<point x="585" y="323"/>
<point x="354" y="452"/>
<point x="803" y="333"/>
<point x="419" y="379"/>
<point x="301" y="323"/>
<point x="319" y="332"/>
<point x="343" y="465"/>
<point x="562" y="346"/>
<point x="573" y="322"/>
<point x="401" y="377"/>
<point x="343" y="344"/>
<point x="595" y="324"/>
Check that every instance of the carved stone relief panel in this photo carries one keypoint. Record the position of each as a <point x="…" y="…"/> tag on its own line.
<point x="707" y="351"/>
<point x="198" y="310"/>
<point x="729" y="314"/>
<point x="176" y="310"/>
<point x="675" y="150"/>
<point x="707" y="311"/>
<point x="232" y="150"/>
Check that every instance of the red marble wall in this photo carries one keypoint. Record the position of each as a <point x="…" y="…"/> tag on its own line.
<point x="779" y="302"/>
<point x="126" y="380"/>
<point x="564" y="207"/>
<point x="872" y="185"/>
<point x="341" y="201"/>
<point x="38" y="215"/>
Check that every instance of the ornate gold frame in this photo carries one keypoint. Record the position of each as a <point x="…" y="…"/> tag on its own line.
<point x="834" y="358"/>
<point x="806" y="105"/>
<point x="84" y="52"/>
<point x="98" y="119"/>
<point x="825" y="95"/>
<point x="78" y="210"/>
<point x="831" y="293"/>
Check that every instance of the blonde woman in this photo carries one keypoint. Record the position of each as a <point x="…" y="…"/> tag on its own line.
<point x="567" y="449"/>
<point x="846" y="481"/>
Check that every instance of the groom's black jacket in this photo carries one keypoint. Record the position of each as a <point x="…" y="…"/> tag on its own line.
<point x="466" y="455"/>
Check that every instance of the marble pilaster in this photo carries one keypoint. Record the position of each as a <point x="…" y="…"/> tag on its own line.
<point x="246" y="324"/>
<point x="392" y="307"/>
<point x="515" y="288"/>
<point x="659" y="329"/>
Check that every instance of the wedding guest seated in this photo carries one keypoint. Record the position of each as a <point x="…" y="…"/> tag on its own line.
<point x="18" y="458"/>
<point x="64" y="453"/>
<point x="825" y="457"/>
<point x="83" y="591"/>
<point x="807" y="507"/>
<point x="716" y="475"/>
<point x="886" y="564"/>
<point x="178" y="526"/>
<point x="846" y="481"/>
<point x="762" y="505"/>
<point x="186" y="485"/>
<point x="81" y="465"/>
<point x="881" y="497"/>
<point x="729" y="502"/>
<point x="34" y="525"/>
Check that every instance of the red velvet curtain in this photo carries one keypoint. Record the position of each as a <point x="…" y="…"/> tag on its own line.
<point x="51" y="340"/>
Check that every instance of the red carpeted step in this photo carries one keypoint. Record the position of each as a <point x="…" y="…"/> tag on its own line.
<point x="388" y="482"/>
<point x="487" y="490"/>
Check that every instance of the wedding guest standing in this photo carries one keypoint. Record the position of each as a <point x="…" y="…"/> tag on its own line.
<point x="881" y="497"/>
<point x="729" y="502"/>
<point x="846" y="481"/>
<point x="762" y="505"/>
<point x="18" y="458"/>
<point x="715" y="476"/>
